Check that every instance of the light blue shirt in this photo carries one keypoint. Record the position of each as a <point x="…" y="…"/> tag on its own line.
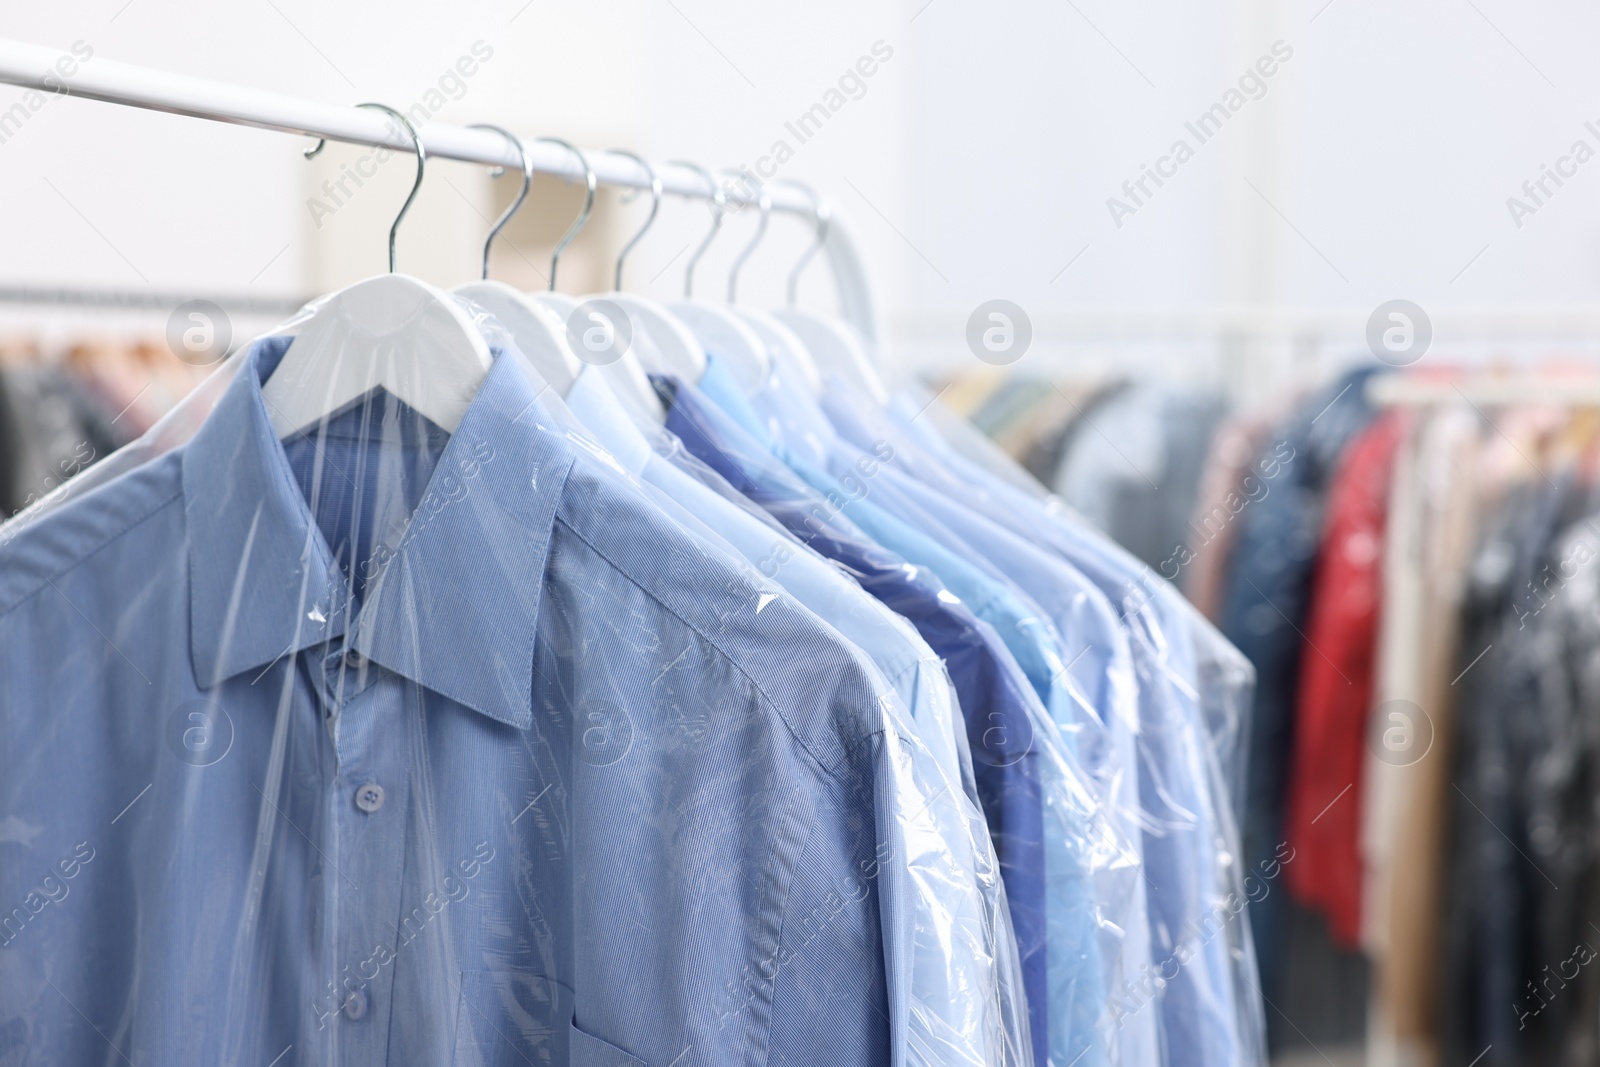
<point x="907" y="663"/>
<point x="530" y="776"/>
<point x="1202" y="971"/>
<point x="1101" y="664"/>
<point x="998" y="704"/>
<point x="1074" y="960"/>
<point x="960" y="956"/>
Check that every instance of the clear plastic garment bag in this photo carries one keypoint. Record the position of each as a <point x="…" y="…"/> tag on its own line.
<point x="368" y="709"/>
<point x="387" y="744"/>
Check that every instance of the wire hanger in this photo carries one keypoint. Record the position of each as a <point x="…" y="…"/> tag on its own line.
<point x="391" y="331"/>
<point x="582" y="220"/>
<point x="655" y="207"/>
<point x="719" y="210"/>
<point x="786" y="352"/>
<point x="821" y="220"/>
<point x="836" y="348"/>
<point x="717" y="328"/>
<point x="764" y="201"/>
<point x="538" y="331"/>
<point x="626" y="375"/>
<point x="522" y="194"/>
<point x="562" y="303"/>
<point x="416" y="186"/>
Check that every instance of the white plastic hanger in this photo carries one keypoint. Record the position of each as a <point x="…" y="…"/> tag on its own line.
<point x="625" y="373"/>
<point x="836" y="347"/>
<point x="721" y="331"/>
<point x="539" y="333"/>
<point x="392" y="332"/>
<point x="784" y="345"/>
<point x="660" y="341"/>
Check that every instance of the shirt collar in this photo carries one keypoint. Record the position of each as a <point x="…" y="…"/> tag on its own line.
<point x="454" y="609"/>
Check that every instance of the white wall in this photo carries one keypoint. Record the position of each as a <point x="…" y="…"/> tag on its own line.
<point x="976" y="163"/>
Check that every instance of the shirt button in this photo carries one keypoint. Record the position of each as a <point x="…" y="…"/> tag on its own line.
<point x="355" y="1005"/>
<point x="354" y="660"/>
<point x="369" y="798"/>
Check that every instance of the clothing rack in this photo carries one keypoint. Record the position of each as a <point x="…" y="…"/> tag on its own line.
<point x="1392" y="390"/>
<point x="33" y="67"/>
<point x="144" y="300"/>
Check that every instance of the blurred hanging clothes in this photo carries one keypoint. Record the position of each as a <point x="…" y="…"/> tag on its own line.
<point x="1337" y="671"/>
<point x="1264" y="614"/>
<point x="1009" y="404"/>
<point x="1049" y="410"/>
<point x="1519" y="933"/>
<point x="10" y="451"/>
<point x="1562" y="797"/>
<point x="1135" y="471"/>
<point x="1034" y="421"/>
<point x="118" y="377"/>
<point x="1041" y="457"/>
<point x="964" y="393"/>
<point x="57" y="430"/>
<point x="1487" y="918"/>
<point x="1230" y="481"/>
<point x="1433" y="505"/>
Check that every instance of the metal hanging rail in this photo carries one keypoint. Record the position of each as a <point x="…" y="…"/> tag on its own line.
<point x="33" y="67"/>
<point x="144" y="300"/>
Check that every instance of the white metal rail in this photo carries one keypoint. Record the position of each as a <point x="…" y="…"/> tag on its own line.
<point x="33" y="66"/>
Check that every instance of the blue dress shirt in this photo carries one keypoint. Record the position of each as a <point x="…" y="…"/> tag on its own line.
<point x="965" y="981"/>
<point x="1106" y="696"/>
<point x="1004" y="718"/>
<point x="1094" y="891"/>
<point x="531" y="777"/>
<point x="1202" y="971"/>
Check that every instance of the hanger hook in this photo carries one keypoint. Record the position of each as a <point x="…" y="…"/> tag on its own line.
<point x="422" y="162"/>
<point x="821" y="217"/>
<point x="588" y="204"/>
<point x="719" y="209"/>
<point x="764" y="199"/>
<point x="655" y="206"/>
<point x="527" y="180"/>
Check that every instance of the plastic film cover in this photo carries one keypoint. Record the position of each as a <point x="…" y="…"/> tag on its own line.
<point x="964" y="983"/>
<point x="1193" y="691"/>
<point x="381" y="744"/>
<point x="1047" y="812"/>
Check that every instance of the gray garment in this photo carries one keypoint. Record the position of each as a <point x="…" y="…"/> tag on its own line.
<point x="1134" y="470"/>
<point x="1504" y="907"/>
<point x="52" y="431"/>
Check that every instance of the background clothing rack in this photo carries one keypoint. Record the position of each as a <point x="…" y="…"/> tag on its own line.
<point x="1388" y="390"/>
<point x="144" y="299"/>
<point x="33" y="67"/>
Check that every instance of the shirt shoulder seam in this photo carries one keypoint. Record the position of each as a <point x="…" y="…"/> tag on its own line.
<point x="80" y="558"/>
<point x="732" y="660"/>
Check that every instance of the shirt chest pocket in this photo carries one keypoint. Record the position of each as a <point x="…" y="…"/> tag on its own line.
<point x="508" y="1019"/>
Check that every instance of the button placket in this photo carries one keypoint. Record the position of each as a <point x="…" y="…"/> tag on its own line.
<point x="346" y="673"/>
<point x="369" y="807"/>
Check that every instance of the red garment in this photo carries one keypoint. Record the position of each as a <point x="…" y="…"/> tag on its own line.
<point x="1336" y="684"/>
